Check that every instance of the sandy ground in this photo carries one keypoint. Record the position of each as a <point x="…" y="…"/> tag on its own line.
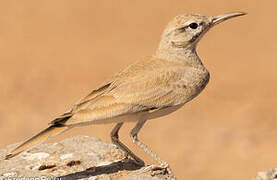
<point x="53" y="53"/>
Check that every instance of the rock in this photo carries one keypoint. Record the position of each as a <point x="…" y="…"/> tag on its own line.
<point x="80" y="157"/>
<point x="268" y="175"/>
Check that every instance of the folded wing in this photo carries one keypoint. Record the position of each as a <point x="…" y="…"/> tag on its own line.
<point x="143" y="86"/>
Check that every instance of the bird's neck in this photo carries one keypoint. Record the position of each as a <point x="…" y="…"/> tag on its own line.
<point x="187" y="55"/>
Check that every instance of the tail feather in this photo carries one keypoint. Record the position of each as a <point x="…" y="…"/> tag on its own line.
<point x="51" y="131"/>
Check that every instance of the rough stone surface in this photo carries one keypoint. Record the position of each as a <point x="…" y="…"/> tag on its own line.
<point x="267" y="175"/>
<point x="80" y="157"/>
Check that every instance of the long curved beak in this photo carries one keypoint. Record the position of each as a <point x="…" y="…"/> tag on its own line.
<point x="220" y="18"/>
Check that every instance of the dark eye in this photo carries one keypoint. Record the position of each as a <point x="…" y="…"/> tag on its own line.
<point x="193" y="25"/>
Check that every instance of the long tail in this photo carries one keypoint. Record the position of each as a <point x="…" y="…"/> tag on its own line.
<point x="52" y="130"/>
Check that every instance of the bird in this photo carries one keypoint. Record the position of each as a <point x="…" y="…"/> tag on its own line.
<point x="149" y="88"/>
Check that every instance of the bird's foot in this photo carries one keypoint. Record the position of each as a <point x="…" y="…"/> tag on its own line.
<point x="160" y="169"/>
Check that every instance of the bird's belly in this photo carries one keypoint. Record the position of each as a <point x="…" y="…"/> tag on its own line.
<point x="137" y="116"/>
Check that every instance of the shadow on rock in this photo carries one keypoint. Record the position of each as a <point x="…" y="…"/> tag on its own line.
<point x="114" y="167"/>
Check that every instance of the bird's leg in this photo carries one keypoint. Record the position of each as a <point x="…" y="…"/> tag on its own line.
<point x="115" y="140"/>
<point x="134" y="136"/>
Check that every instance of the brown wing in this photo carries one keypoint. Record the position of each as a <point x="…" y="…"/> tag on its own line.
<point x="145" y="85"/>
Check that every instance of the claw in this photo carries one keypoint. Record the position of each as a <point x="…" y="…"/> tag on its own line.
<point x="166" y="167"/>
<point x="159" y="169"/>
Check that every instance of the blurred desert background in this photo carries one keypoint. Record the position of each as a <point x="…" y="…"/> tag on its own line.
<point x="53" y="53"/>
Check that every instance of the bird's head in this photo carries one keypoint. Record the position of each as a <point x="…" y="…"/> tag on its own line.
<point x="185" y="31"/>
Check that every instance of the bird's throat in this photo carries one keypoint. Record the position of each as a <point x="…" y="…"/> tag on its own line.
<point x="186" y="54"/>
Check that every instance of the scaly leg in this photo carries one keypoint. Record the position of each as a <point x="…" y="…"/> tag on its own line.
<point x="134" y="136"/>
<point x="115" y="140"/>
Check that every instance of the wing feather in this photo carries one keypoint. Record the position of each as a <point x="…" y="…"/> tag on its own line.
<point x="143" y="86"/>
